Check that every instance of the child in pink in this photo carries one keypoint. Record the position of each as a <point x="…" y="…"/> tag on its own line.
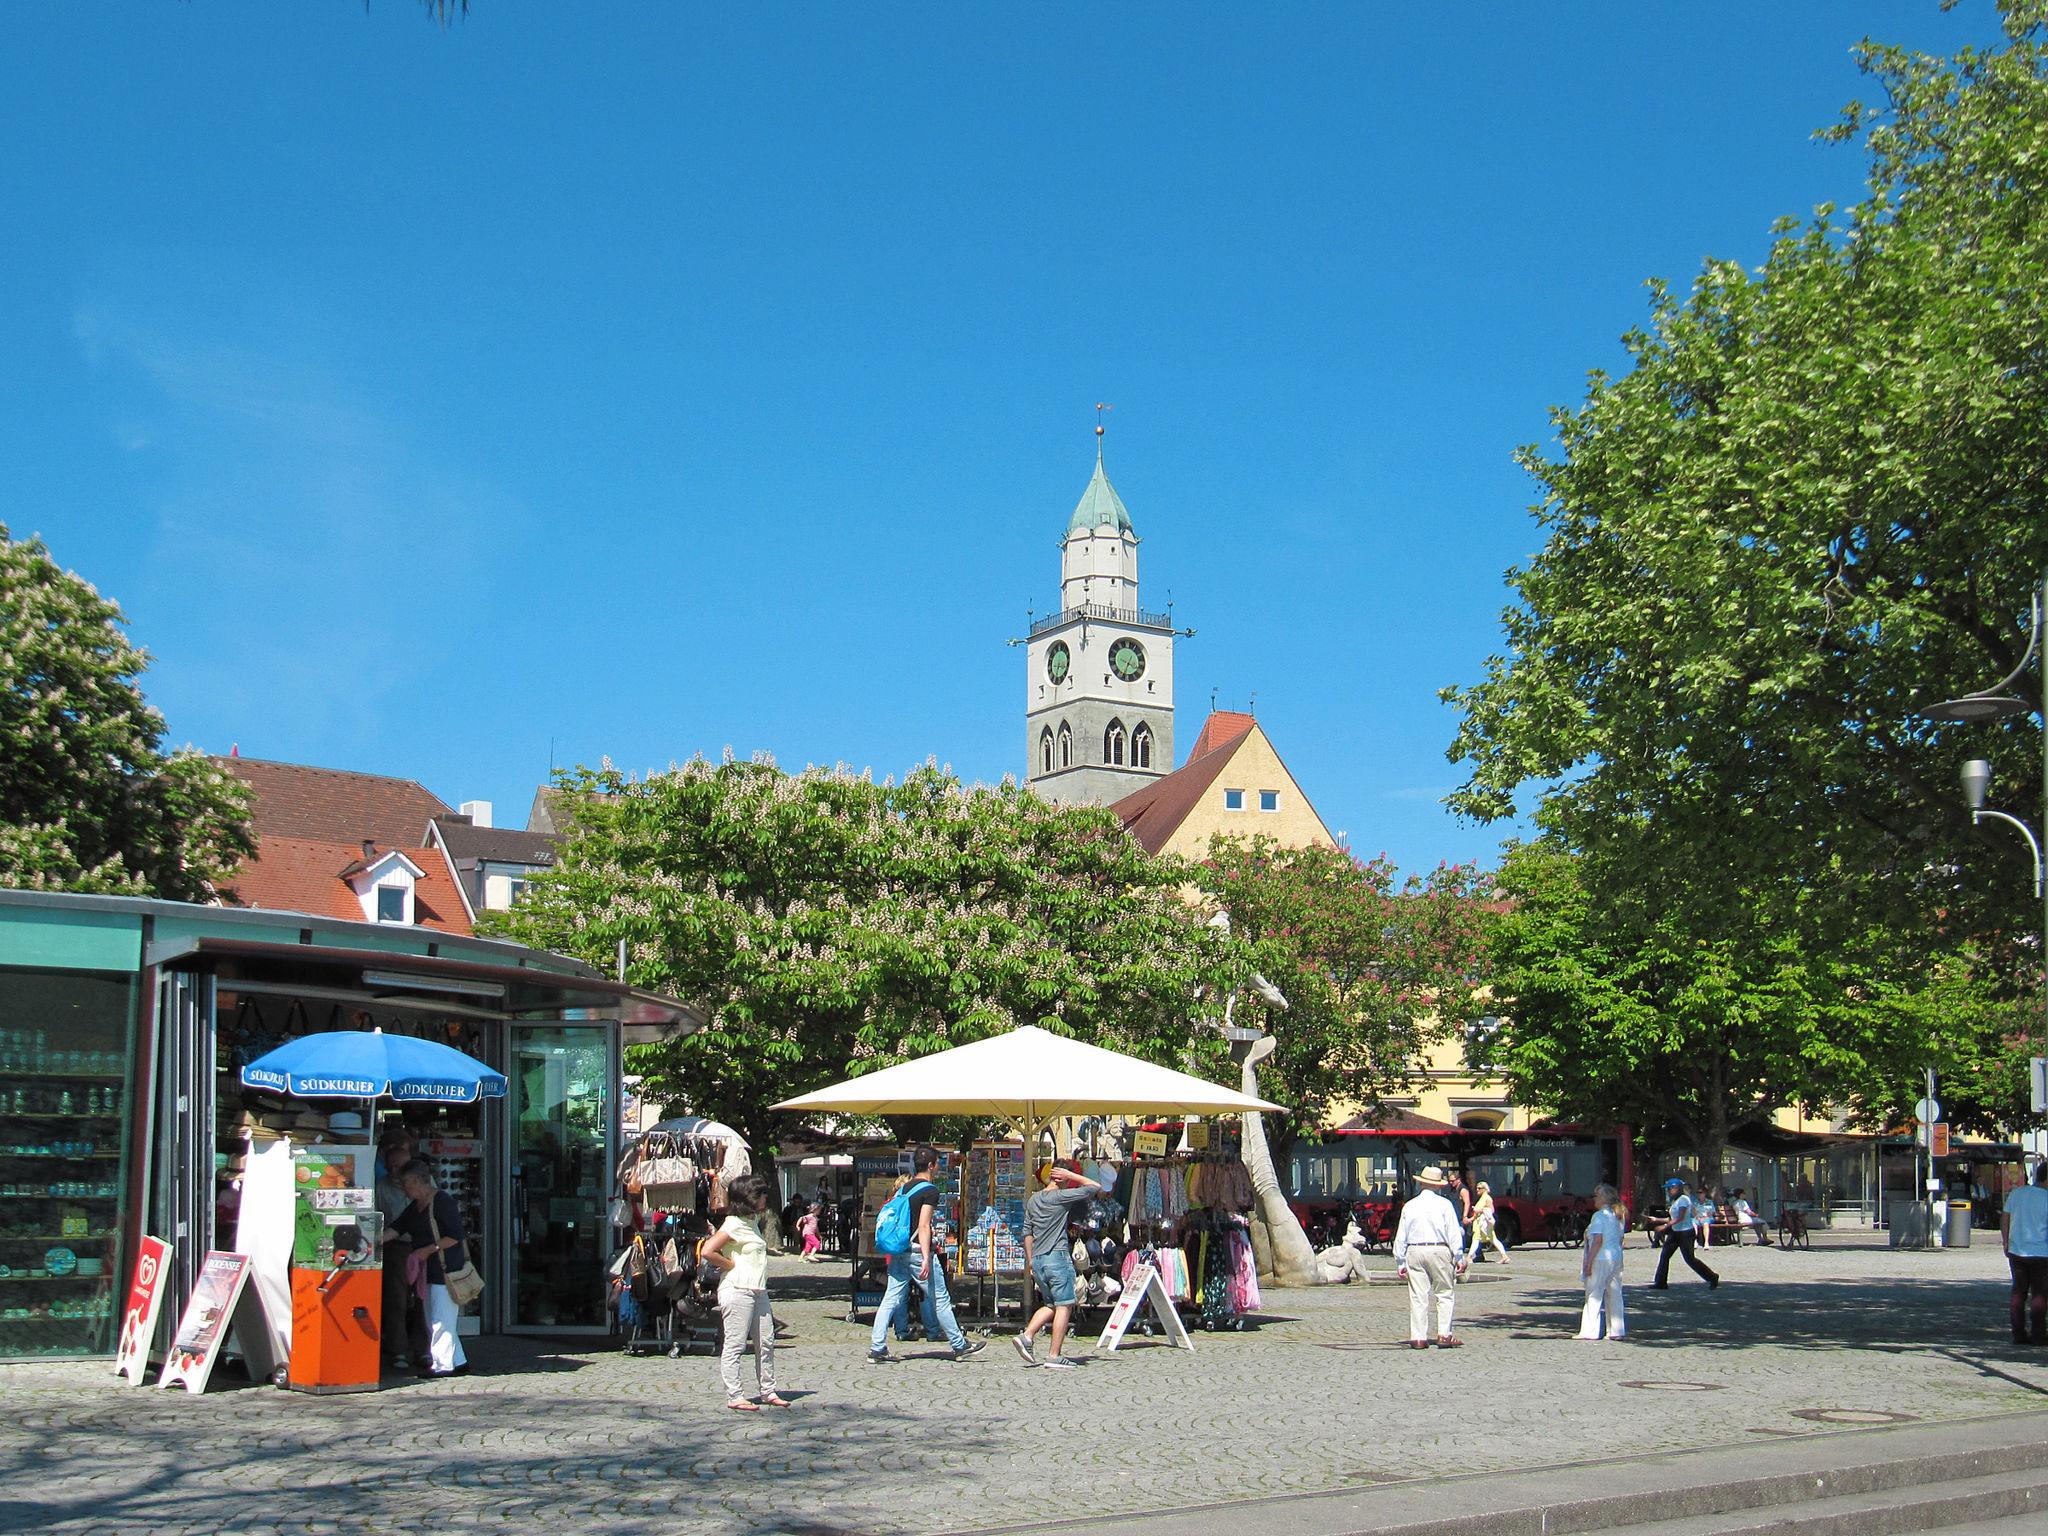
<point x="807" y="1229"/>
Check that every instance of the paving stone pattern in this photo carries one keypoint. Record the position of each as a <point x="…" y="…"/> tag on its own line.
<point x="1323" y="1394"/>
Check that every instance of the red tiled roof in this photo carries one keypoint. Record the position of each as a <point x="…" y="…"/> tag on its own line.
<point x="1153" y="814"/>
<point x="297" y="874"/>
<point x="334" y="805"/>
<point x="1223" y="727"/>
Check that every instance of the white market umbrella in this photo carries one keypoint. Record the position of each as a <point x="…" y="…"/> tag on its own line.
<point x="1029" y="1076"/>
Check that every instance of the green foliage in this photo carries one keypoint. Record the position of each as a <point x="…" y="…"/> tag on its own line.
<point x="89" y="801"/>
<point x="834" y="925"/>
<point x="1816" y="499"/>
<point x="1637" y="1006"/>
<point x="1375" y="970"/>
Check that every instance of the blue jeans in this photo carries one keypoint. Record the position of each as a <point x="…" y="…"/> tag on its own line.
<point x="938" y="1302"/>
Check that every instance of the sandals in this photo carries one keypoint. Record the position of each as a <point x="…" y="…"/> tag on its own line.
<point x="1446" y="1341"/>
<point x="741" y="1405"/>
<point x="775" y="1400"/>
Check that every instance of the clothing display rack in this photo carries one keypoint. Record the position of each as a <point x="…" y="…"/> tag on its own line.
<point x="1189" y="1220"/>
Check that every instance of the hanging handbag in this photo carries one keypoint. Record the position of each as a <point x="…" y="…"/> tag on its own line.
<point x="668" y="1180"/>
<point x="464" y="1284"/>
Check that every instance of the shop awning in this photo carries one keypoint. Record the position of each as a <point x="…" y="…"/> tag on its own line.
<point x="1767" y="1140"/>
<point x="506" y="990"/>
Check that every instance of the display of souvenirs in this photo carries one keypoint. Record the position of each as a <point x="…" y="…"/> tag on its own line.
<point x="992" y="1189"/>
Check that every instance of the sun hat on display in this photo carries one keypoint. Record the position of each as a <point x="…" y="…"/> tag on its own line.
<point x="1432" y="1176"/>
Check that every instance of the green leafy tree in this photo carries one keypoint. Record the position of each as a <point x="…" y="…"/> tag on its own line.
<point x="89" y="800"/>
<point x="834" y="925"/>
<point x="1641" y="1007"/>
<point x="1376" y="969"/>
<point x="1816" y="499"/>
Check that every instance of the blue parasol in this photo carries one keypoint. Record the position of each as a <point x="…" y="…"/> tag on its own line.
<point x="369" y="1064"/>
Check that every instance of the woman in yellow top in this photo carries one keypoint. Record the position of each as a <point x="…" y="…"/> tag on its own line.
<point x="1483" y="1229"/>
<point x="741" y="1251"/>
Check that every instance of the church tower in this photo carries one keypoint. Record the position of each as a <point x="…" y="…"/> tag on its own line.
<point x="1098" y="682"/>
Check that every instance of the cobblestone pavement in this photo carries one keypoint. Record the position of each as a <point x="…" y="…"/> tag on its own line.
<point x="1321" y="1395"/>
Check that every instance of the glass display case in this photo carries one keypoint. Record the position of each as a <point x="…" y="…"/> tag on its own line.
<point x="66" y="1057"/>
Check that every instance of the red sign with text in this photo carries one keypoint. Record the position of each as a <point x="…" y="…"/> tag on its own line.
<point x="145" y="1301"/>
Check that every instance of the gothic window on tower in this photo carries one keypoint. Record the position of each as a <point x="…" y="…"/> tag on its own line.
<point x="1045" y="750"/>
<point x="1141" y="747"/>
<point x="1113" y="744"/>
<point x="1066" y="747"/>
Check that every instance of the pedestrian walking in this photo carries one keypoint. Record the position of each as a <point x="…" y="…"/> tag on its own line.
<point x="2024" y="1227"/>
<point x="1429" y="1248"/>
<point x="918" y="1262"/>
<point x="1484" y="1234"/>
<point x="1600" y="1269"/>
<point x="807" y="1234"/>
<point x="739" y="1249"/>
<point x="1680" y="1237"/>
<point x="1051" y="1261"/>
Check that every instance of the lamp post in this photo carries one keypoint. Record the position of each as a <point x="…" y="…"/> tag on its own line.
<point x="1999" y="702"/>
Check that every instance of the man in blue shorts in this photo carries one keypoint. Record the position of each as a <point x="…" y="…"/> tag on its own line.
<point x="1051" y="1259"/>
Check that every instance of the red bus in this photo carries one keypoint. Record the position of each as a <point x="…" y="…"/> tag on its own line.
<point x="1541" y="1179"/>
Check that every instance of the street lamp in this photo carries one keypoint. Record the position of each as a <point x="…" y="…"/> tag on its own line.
<point x="1977" y="780"/>
<point x="2000" y="702"/>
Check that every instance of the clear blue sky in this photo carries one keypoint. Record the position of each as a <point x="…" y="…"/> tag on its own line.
<point x="645" y="379"/>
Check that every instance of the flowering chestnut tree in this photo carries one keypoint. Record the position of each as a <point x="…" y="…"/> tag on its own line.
<point x="1376" y="969"/>
<point x="835" y="925"/>
<point x="89" y="800"/>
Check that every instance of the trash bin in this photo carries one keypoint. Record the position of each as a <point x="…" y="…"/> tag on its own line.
<point x="1957" y="1234"/>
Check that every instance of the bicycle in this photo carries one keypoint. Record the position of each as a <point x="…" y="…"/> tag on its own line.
<point x="1792" y="1229"/>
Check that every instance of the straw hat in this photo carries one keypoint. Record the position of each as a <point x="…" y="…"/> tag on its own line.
<point x="1432" y="1176"/>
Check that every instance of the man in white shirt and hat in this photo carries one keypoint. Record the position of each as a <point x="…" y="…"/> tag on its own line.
<point x="1429" y="1246"/>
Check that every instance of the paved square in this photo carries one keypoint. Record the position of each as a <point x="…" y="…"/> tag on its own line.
<point x="1322" y="1395"/>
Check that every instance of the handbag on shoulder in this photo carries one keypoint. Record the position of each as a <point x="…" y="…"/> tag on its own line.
<point x="464" y="1284"/>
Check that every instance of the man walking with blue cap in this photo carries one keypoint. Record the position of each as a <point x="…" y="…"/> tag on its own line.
<point x="1681" y="1236"/>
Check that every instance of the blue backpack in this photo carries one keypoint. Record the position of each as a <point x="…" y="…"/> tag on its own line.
<point x="893" y="1225"/>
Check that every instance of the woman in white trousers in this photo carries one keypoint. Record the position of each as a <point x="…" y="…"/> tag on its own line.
<point x="739" y="1249"/>
<point x="1601" y="1270"/>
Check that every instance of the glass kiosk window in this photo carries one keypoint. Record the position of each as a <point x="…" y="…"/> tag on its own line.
<point x="65" y="1056"/>
<point x="561" y="1176"/>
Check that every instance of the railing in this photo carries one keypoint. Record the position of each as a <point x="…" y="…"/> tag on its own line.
<point x="1137" y="618"/>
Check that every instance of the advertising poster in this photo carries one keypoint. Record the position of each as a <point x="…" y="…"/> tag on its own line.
<point x="138" y="1318"/>
<point x="204" y="1327"/>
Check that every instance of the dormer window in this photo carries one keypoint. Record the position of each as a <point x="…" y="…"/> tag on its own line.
<point x="385" y="883"/>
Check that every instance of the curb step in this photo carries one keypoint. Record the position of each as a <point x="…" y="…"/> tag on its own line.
<point x="1865" y="1496"/>
<point x="1899" y="1512"/>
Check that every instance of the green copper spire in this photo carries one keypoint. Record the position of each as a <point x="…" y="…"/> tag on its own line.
<point x="1100" y="506"/>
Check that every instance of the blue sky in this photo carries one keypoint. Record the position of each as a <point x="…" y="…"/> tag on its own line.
<point x="645" y="380"/>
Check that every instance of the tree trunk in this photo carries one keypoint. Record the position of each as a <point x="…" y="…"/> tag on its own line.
<point x="1282" y="1248"/>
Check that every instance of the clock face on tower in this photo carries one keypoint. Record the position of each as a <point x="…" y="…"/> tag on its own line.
<point x="1057" y="661"/>
<point x="1127" y="659"/>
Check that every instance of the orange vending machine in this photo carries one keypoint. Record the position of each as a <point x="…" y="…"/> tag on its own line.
<point x="335" y="1330"/>
<point x="337" y="1289"/>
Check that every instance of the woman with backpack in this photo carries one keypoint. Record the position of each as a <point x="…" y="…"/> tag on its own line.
<point x="739" y="1249"/>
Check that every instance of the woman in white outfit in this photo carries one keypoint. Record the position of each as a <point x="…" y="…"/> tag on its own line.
<point x="741" y="1251"/>
<point x="1601" y="1270"/>
<point x="1483" y="1226"/>
<point x="433" y="1225"/>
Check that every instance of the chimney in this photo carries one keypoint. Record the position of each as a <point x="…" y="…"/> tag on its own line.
<point x="369" y="850"/>
<point x="478" y="812"/>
